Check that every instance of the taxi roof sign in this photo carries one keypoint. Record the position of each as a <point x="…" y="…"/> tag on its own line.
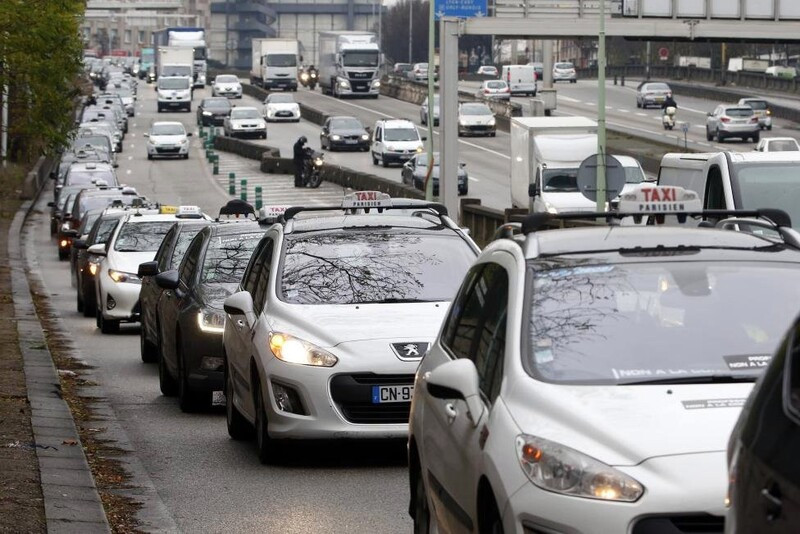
<point x="367" y="199"/>
<point x="659" y="200"/>
<point x="272" y="213"/>
<point x="237" y="208"/>
<point x="168" y="210"/>
<point x="189" y="212"/>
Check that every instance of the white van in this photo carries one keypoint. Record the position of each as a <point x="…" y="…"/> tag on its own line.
<point x="395" y="141"/>
<point x="738" y="180"/>
<point x="520" y="78"/>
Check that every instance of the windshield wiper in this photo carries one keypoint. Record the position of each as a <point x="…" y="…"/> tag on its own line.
<point x="393" y="300"/>
<point x="700" y="379"/>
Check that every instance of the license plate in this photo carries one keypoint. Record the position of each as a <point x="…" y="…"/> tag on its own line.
<point x="167" y="147"/>
<point x="350" y="141"/>
<point x="384" y="394"/>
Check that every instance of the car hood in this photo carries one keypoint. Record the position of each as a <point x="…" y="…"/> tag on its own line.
<point x="352" y="131"/>
<point x="229" y="86"/>
<point x="332" y="325"/>
<point x="565" y="202"/>
<point x="478" y="120"/>
<point x="247" y="121"/>
<point x="284" y="107"/>
<point x="212" y="295"/>
<point x="422" y="171"/>
<point x="626" y="425"/>
<point x="221" y="112"/>
<point x="167" y="139"/>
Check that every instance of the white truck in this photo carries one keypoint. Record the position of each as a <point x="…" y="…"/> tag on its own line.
<point x="172" y="61"/>
<point x="193" y="39"/>
<point x="546" y="153"/>
<point x="349" y="63"/>
<point x="274" y="64"/>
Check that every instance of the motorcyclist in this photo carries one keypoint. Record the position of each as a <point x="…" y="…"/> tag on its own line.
<point x="299" y="156"/>
<point x="669" y="102"/>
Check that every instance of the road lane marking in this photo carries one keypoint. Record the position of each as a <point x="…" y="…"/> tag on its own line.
<point x="641" y="114"/>
<point x="569" y="99"/>
<point x="133" y="134"/>
<point x="130" y="158"/>
<point x="623" y="110"/>
<point x="128" y="171"/>
<point x="471" y="179"/>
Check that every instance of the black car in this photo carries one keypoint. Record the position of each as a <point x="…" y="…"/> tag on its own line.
<point x="764" y="471"/>
<point x="88" y="264"/>
<point x="168" y="257"/>
<point x="81" y="233"/>
<point x="212" y="111"/>
<point x="415" y="170"/>
<point x="190" y="312"/>
<point x="344" y="133"/>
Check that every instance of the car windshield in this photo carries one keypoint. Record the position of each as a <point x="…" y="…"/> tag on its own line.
<point x="739" y="112"/>
<point x="245" y="114"/>
<point x="216" y="103"/>
<point x="167" y="129"/>
<point x="422" y="160"/>
<point x="372" y="266"/>
<point x="757" y="104"/>
<point x="227" y="79"/>
<point x="560" y="180"/>
<point x="281" y="60"/>
<point x="173" y="83"/>
<point x="564" y="66"/>
<point x="227" y="257"/>
<point x="280" y="99"/>
<point x="360" y="59"/>
<point x="64" y="201"/>
<point x="784" y="145"/>
<point x="142" y="236"/>
<point x="400" y="134"/>
<point x="639" y="322"/>
<point x="97" y="202"/>
<point x="185" y="237"/>
<point x="88" y="177"/>
<point x="88" y="220"/>
<point x="634" y="175"/>
<point x="773" y="185"/>
<point x="176" y="70"/>
<point x="346" y="124"/>
<point x="474" y="109"/>
<point x="496" y="85"/>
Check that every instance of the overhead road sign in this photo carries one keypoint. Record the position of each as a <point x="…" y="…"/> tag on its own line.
<point x="461" y="9"/>
<point x="713" y="9"/>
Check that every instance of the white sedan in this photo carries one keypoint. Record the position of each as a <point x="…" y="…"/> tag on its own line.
<point x="778" y="144"/>
<point x="281" y="107"/>
<point x="245" y="122"/>
<point x="587" y="380"/>
<point x="167" y="139"/>
<point x="226" y="85"/>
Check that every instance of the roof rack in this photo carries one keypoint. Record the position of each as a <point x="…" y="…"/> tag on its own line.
<point x="438" y="209"/>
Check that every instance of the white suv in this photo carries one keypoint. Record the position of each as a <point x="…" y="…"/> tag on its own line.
<point x="395" y="141"/>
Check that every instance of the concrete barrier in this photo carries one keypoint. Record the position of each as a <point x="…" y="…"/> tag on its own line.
<point x="37" y="177"/>
<point x="246" y="149"/>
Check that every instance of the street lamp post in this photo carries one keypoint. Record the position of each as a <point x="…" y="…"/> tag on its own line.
<point x="410" y="27"/>
<point x="601" y="110"/>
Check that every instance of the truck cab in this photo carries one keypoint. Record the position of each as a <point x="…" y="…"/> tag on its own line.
<point x="349" y="64"/>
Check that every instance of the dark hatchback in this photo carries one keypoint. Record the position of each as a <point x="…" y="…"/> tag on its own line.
<point x="212" y="111"/>
<point x="168" y="257"/>
<point x="87" y="264"/>
<point x="190" y="312"/>
<point x="344" y="133"/>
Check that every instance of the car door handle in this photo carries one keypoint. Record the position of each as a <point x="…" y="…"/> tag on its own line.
<point x="240" y="324"/>
<point x="451" y="412"/>
<point x="772" y="502"/>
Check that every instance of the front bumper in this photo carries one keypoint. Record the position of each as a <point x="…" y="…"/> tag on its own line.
<point x="337" y="402"/>
<point x="283" y="116"/>
<point x="359" y="88"/>
<point x="177" y="104"/>
<point x="476" y="129"/>
<point x="118" y="301"/>
<point x="735" y="130"/>
<point x="248" y="132"/>
<point x="343" y="144"/>
<point x="678" y="489"/>
<point x="203" y="354"/>
<point x="167" y="150"/>
<point x="229" y="94"/>
<point x="397" y="157"/>
<point x="213" y="120"/>
<point x="278" y="83"/>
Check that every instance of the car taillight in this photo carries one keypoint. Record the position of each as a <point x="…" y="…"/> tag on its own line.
<point x="486" y="91"/>
<point x="725" y="119"/>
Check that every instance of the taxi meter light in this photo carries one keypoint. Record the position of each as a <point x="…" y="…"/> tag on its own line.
<point x="189" y="212"/>
<point x="368" y="200"/>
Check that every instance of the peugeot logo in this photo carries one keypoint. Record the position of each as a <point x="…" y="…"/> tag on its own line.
<point x="410" y="350"/>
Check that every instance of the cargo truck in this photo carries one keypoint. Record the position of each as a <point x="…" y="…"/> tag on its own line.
<point x="193" y="39"/>
<point x="146" y="61"/>
<point x="349" y="63"/>
<point x="274" y="64"/>
<point x="174" y="61"/>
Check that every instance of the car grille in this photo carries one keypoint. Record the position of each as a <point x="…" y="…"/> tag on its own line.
<point x="478" y="127"/>
<point x="171" y="150"/>
<point x="351" y="138"/>
<point x="353" y="393"/>
<point x="680" y="524"/>
<point x="284" y="114"/>
<point x="360" y="87"/>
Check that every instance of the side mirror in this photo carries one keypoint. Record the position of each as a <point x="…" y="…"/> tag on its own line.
<point x="98" y="249"/>
<point x="189" y="134"/>
<point x="148" y="268"/>
<point x="424" y="138"/>
<point x="710" y="114"/>
<point x="457" y="380"/>
<point x="53" y="175"/>
<point x="168" y="279"/>
<point x="79" y="244"/>
<point x="462" y="165"/>
<point x="533" y="189"/>
<point x="241" y="304"/>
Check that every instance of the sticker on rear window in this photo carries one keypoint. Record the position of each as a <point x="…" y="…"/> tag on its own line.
<point x="705" y="404"/>
<point x="745" y="361"/>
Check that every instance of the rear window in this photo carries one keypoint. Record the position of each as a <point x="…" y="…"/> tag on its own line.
<point x="372" y="266"/>
<point x="565" y="66"/>
<point x="656" y="87"/>
<point x="89" y="177"/>
<point x="496" y="85"/>
<point x="757" y="104"/>
<point x="739" y="112"/>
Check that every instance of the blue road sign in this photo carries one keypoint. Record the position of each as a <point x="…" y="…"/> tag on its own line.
<point x="460" y="8"/>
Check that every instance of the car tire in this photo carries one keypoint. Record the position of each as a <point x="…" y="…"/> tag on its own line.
<point x="189" y="400"/>
<point x="265" y="446"/>
<point x="638" y="104"/>
<point x="374" y="159"/>
<point x="719" y="137"/>
<point x="238" y="427"/>
<point x="489" y="519"/>
<point x="166" y="382"/>
<point x="769" y="127"/>
<point x="148" y="350"/>
<point x="493" y="134"/>
<point x="62" y="256"/>
<point x="108" y="326"/>
<point x="149" y="156"/>
<point x="709" y="136"/>
<point x="384" y="162"/>
<point x="423" y="518"/>
<point x="79" y="301"/>
<point x="757" y="137"/>
<point x="89" y="305"/>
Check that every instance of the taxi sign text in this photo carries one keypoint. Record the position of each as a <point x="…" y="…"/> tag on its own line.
<point x="367" y="199"/>
<point x="663" y="199"/>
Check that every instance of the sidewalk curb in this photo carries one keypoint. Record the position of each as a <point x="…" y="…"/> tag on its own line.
<point x="71" y="501"/>
<point x="153" y="516"/>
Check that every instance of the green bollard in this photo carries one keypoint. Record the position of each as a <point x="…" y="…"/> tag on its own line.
<point x="215" y="168"/>
<point x="243" y="190"/>
<point x="231" y="183"/>
<point x="202" y="132"/>
<point x="259" y="203"/>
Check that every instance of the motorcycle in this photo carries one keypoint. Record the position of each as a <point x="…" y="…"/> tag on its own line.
<point x="668" y="118"/>
<point x="312" y="165"/>
<point x="309" y="78"/>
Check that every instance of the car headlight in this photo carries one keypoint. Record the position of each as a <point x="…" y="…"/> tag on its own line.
<point x="151" y="141"/>
<point x="492" y="121"/>
<point x="343" y="83"/>
<point x="184" y="141"/>
<point x="364" y="137"/>
<point x="123" y="277"/>
<point x="262" y="124"/>
<point x="376" y="84"/>
<point x="293" y="350"/>
<point x="236" y="126"/>
<point x="550" y="208"/>
<point x="391" y="148"/>
<point x="212" y="322"/>
<point x="304" y="77"/>
<point x="93" y="268"/>
<point x="336" y="137"/>
<point x="207" y="114"/>
<point x="419" y="149"/>
<point x="560" y="469"/>
<point x="318" y="162"/>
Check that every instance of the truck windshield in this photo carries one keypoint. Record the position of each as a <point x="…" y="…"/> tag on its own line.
<point x="199" y="53"/>
<point x="765" y="184"/>
<point x="176" y="70"/>
<point x="560" y="181"/>
<point x="175" y="83"/>
<point x="360" y="59"/>
<point x="280" y="60"/>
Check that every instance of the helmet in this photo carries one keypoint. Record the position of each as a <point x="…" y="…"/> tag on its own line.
<point x="302" y="139"/>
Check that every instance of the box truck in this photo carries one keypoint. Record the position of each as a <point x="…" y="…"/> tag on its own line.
<point x="174" y="61"/>
<point x="349" y="63"/>
<point x="193" y="39"/>
<point x="274" y="64"/>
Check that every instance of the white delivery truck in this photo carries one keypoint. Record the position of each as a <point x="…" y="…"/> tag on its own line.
<point x="521" y="79"/>
<point x="172" y="61"/>
<point x="349" y="63"/>
<point x="274" y="64"/>
<point x="194" y="39"/>
<point x="546" y="153"/>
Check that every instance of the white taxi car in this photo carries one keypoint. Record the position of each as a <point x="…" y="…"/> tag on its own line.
<point x="226" y="85"/>
<point x="586" y="380"/>
<point x="333" y="316"/>
<point x="167" y="139"/>
<point x="135" y="240"/>
<point x="281" y="107"/>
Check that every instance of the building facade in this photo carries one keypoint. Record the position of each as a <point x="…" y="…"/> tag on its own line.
<point x="232" y="26"/>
